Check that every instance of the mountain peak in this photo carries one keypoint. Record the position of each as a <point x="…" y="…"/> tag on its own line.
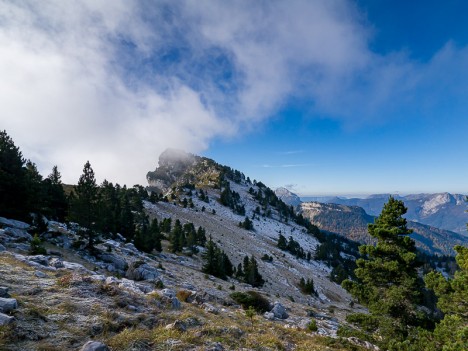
<point x="288" y="197"/>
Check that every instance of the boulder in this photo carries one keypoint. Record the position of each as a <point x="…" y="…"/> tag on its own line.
<point x="177" y="325"/>
<point x="279" y="311"/>
<point x="2" y="248"/>
<point x="118" y="262"/>
<point x="129" y="285"/>
<point x="269" y="315"/>
<point x="94" y="346"/>
<point x="40" y="259"/>
<point x="18" y="234"/>
<point x="210" y="308"/>
<point x="7" y="304"/>
<point x="56" y="262"/>
<point x="40" y="274"/>
<point x="5" y="320"/>
<point x="131" y="247"/>
<point x="112" y="280"/>
<point x="13" y="223"/>
<point x="4" y="291"/>
<point x="176" y="303"/>
<point x="141" y="271"/>
<point x="168" y="292"/>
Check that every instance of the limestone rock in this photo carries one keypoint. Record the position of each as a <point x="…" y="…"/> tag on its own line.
<point x="4" y="291"/>
<point x="7" y="304"/>
<point x="168" y="292"/>
<point x="116" y="261"/>
<point x="269" y="315"/>
<point x="177" y="325"/>
<point x="176" y="303"/>
<point x="94" y="346"/>
<point x="5" y="320"/>
<point x="141" y="271"/>
<point x="56" y="262"/>
<point x="14" y="224"/>
<point x="18" y="234"/>
<point x="40" y="274"/>
<point x="279" y="311"/>
<point x="40" y="259"/>
<point x="210" y="308"/>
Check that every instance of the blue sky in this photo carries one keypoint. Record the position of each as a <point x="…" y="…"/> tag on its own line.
<point x="324" y="97"/>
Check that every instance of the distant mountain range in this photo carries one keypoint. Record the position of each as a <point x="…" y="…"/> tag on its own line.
<point x="351" y="220"/>
<point x="441" y="210"/>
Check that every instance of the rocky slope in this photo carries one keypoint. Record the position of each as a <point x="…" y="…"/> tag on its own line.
<point x="351" y="222"/>
<point x="130" y="300"/>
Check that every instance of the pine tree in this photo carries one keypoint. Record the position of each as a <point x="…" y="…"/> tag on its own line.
<point x="155" y="235"/>
<point x="217" y="263"/>
<point x="84" y="204"/>
<point x="451" y="333"/>
<point x="13" y="185"/>
<point x="388" y="282"/>
<point x="176" y="237"/>
<point x="251" y="273"/>
<point x="282" y="243"/>
<point x="127" y="219"/>
<point x="56" y="204"/>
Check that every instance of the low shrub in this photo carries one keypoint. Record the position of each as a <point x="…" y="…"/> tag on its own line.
<point x="251" y="299"/>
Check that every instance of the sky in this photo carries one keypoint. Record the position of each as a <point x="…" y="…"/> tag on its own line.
<point x="323" y="97"/>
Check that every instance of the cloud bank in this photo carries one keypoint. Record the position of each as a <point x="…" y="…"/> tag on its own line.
<point x="117" y="82"/>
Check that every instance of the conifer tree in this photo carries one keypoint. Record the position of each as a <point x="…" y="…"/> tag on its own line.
<point x="176" y="237"/>
<point x="55" y="200"/>
<point x="127" y="219"/>
<point x="451" y="333"/>
<point x="155" y="235"/>
<point x="251" y="274"/>
<point x="282" y="243"/>
<point x="13" y="185"/>
<point x="84" y="204"/>
<point x="388" y="282"/>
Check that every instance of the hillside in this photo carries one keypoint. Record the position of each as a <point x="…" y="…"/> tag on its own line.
<point x="351" y="222"/>
<point x="132" y="300"/>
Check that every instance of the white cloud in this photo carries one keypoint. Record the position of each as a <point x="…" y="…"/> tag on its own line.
<point x="116" y="82"/>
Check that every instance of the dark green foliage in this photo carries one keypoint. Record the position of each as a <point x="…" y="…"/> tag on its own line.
<point x="292" y="246"/>
<point x="166" y="225"/>
<point x="282" y="243"/>
<point x="85" y="204"/>
<point x="231" y="199"/>
<point x="250" y="273"/>
<point x="251" y="299"/>
<point x="36" y="247"/>
<point x="177" y="237"/>
<point x="19" y="182"/>
<point x="339" y="273"/>
<point x="330" y="251"/>
<point x="247" y="224"/>
<point x="312" y="326"/>
<point x="307" y="286"/>
<point x="267" y="258"/>
<point x="388" y="283"/>
<point x="452" y="331"/>
<point x="56" y="203"/>
<point x="217" y="263"/>
<point x="148" y="237"/>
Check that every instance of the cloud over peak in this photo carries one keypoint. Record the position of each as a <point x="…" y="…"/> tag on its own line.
<point x="118" y="82"/>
